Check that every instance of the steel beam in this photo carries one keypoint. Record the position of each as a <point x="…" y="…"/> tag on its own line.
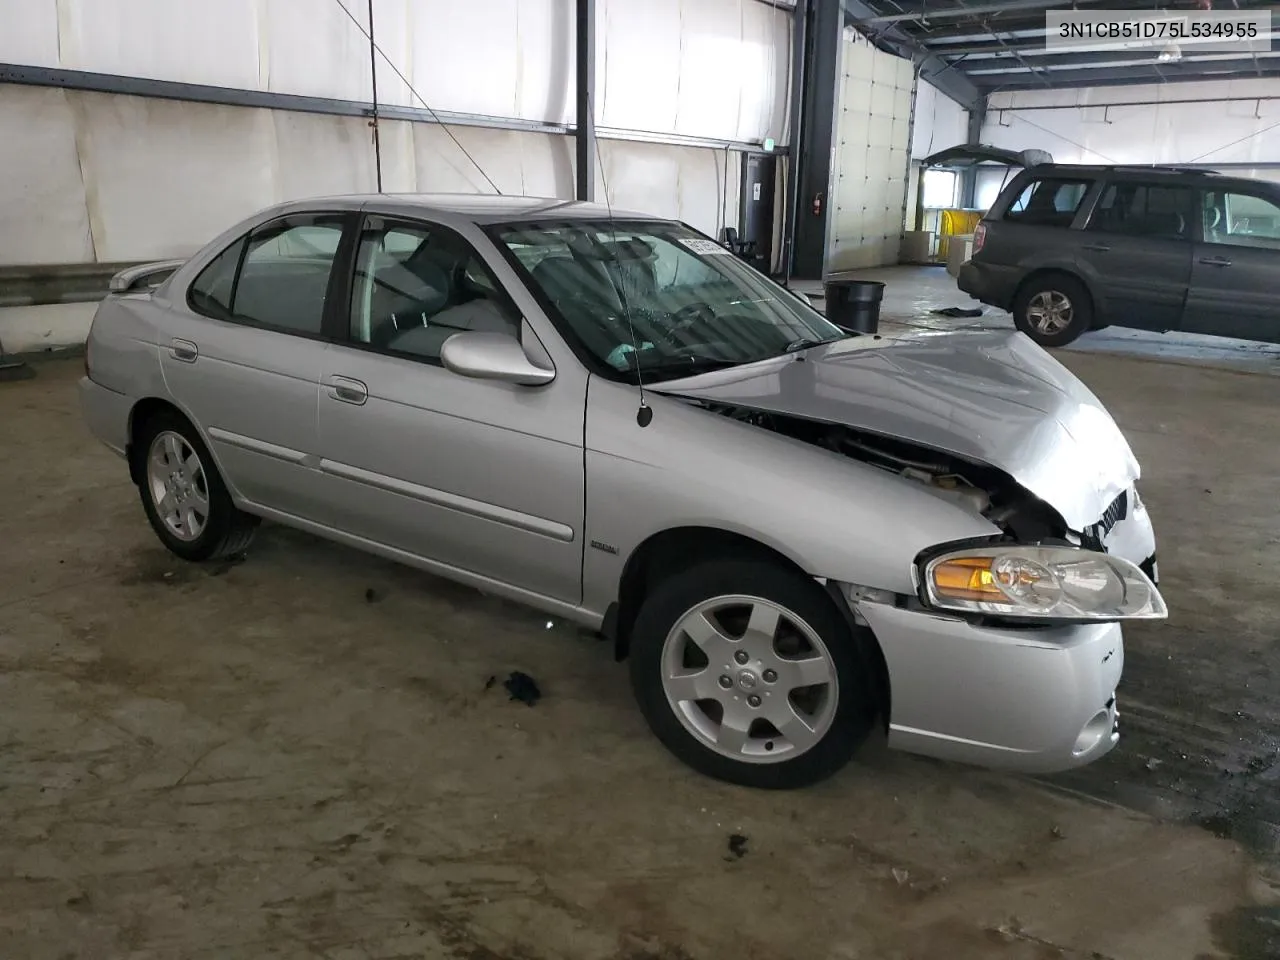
<point x="938" y="72"/>
<point x="795" y="134"/>
<point x="585" y="132"/>
<point x="234" y="97"/>
<point x="823" y="35"/>
<point x="1122" y="76"/>
<point x="969" y="178"/>
<point x="1112" y="58"/>
<point x="930" y="12"/>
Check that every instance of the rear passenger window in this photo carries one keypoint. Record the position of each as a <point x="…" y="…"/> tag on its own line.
<point x="277" y="277"/>
<point x="1144" y="210"/>
<point x="285" y="275"/>
<point x="1048" y="202"/>
<point x="211" y="291"/>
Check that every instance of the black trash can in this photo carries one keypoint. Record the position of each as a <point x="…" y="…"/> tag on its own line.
<point x="854" y="305"/>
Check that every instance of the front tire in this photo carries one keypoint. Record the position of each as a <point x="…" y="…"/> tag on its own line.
<point x="748" y="673"/>
<point x="1053" y="310"/>
<point x="184" y="497"/>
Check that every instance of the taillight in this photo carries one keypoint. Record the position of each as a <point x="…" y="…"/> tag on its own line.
<point x="979" y="236"/>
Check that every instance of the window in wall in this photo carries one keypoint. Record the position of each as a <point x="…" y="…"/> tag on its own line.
<point x="416" y="286"/>
<point x="940" y="188"/>
<point x="1144" y="210"/>
<point x="1048" y="202"/>
<point x="1241" y="219"/>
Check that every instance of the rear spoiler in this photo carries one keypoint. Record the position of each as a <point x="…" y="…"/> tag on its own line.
<point x="127" y="281"/>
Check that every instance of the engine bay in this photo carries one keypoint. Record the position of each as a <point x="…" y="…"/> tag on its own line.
<point x="983" y="488"/>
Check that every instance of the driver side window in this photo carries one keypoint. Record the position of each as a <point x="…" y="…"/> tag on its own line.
<point x="417" y="285"/>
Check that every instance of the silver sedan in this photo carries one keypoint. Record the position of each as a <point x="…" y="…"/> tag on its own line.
<point x="793" y="533"/>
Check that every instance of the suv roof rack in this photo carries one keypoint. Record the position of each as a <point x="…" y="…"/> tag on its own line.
<point x="1160" y="168"/>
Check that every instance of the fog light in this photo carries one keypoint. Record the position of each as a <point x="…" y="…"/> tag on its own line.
<point x="1091" y="735"/>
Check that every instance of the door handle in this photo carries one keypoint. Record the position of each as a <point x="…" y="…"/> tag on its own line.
<point x="1097" y="247"/>
<point x="348" y="390"/>
<point x="1215" y="261"/>
<point x="184" y="350"/>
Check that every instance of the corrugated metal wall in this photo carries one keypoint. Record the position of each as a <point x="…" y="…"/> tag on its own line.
<point x="95" y="177"/>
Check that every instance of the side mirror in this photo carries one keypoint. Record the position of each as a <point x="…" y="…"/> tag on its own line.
<point x="492" y="356"/>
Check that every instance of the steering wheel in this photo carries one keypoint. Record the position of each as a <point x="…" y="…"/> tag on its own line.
<point x="688" y="316"/>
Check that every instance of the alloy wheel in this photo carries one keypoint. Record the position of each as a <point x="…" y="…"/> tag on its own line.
<point x="177" y="485"/>
<point x="1050" y="312"/>
<point x="749" y="679"/>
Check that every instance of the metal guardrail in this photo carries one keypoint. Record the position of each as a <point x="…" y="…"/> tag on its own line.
<point x="30" y="286"/>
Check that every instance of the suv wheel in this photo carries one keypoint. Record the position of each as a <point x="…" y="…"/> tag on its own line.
<point x="185" y="499"/>
<point x="1053" y="310"/>
<point x="749" y="673"/>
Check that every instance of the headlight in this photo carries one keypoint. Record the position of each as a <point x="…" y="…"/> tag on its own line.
<point x="1041" y="583"/>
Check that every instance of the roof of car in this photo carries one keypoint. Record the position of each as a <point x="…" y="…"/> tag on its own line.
<point x="1220" y="181"/>
<point x="476" y="207"/>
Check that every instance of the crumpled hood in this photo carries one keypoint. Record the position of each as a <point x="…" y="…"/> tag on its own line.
<point x="990" y="396"/>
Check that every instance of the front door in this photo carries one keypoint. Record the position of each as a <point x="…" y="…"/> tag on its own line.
<point x="243" y="356"/>
<point x="480" y="476"/>
<point x="759" y="177"/>
<point x="1137" y="248"/>
<point x="1234" y="292"/>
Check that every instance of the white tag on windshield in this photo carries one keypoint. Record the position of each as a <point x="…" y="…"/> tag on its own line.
<point x="704" y="247"/>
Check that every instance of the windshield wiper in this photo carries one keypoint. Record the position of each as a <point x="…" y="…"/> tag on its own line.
<point x="685" y="366"/>
<point x="804" y="343"/>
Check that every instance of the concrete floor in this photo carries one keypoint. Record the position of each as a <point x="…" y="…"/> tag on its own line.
<point x="268" y="759"/>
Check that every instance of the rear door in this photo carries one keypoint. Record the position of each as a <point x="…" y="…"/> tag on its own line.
<point x="243" y="355"/>
<point x="1034" y="230"/>
<point x="1136" y="252"/>
<point x="1234" y="292"/>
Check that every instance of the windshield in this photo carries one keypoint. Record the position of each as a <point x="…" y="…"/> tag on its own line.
<point x="693" y="306"/>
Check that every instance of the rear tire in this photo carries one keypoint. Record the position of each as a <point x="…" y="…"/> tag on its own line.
<point x="748" y="673"/>
<point x="183" y="495"/>
<point x="1053" y="309"/>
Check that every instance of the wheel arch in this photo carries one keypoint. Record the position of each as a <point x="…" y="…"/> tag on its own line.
<point x="669" y="552"/>
<point x="1097" y="304"/>
<point x="141" y="413"/>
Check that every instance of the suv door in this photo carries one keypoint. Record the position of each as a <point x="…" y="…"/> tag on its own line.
<point x="477" y="475"/>
<point x="243" y="355"/>
<point x="1233" y="286"/>
<point x="1137" y="251"/>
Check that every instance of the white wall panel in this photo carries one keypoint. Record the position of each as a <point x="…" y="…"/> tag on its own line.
<point x="707" y="68"/>
<point x="683" y="183"/>
<point x="1085" y="128"/>
<point x="29" y="32"/>
<point x="717" y="69"/>
<point x="43" y="216"/>
<point x="195" y="42"/>
<point x="163" y="177"/>
<point x="873" y="133"/>
<point x="939" y="122"/>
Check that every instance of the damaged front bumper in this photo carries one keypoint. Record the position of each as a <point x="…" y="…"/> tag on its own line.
<point x="1031" y="698"/>
<point x="1036" y="700"/>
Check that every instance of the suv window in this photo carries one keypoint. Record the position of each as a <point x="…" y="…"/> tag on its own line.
<point x="1241" y="219"/>
<point x="277" y="277"/>
<point x="1144" y="210"/>
<point x="416" y="286"/>
<point x="1048" y="201"/>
